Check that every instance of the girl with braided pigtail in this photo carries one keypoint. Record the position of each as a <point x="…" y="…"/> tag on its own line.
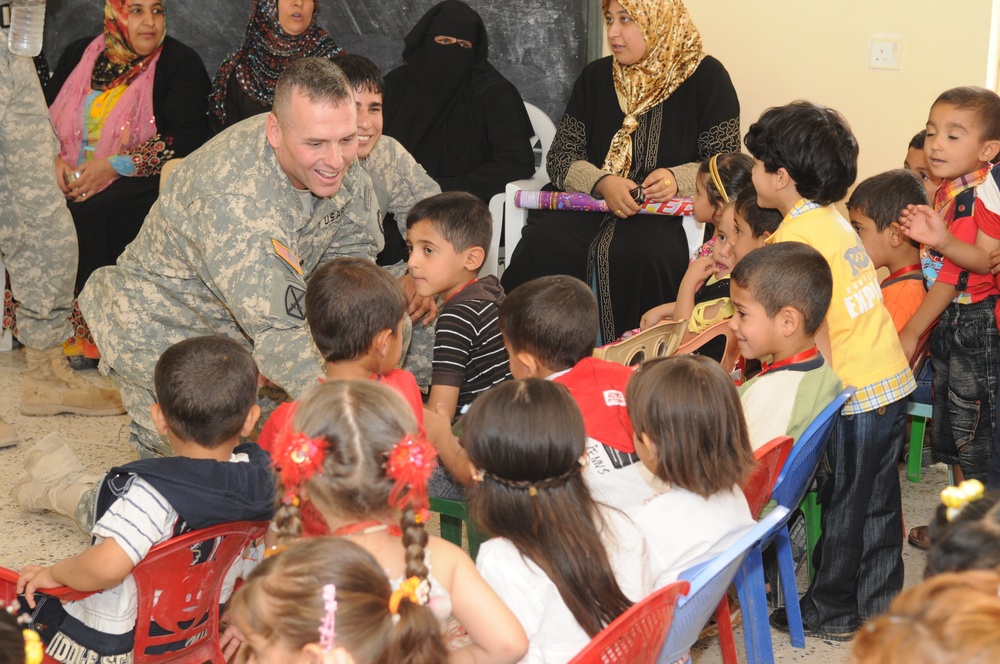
<point x="354" y="449"/>
<point x="566" y="565"/>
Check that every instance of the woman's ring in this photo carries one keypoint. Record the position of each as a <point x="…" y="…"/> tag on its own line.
<point x="83" y="195"/>
<point x="618" y="213"/>
<point x="666" y="183"/>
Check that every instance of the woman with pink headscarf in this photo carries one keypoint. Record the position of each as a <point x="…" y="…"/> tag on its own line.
<point x="124" y="102"/>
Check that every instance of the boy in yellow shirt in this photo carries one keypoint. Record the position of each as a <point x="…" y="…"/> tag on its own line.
<point x="805" y="158"/>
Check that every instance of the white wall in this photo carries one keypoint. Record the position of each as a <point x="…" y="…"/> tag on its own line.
<point x="780" y="50"/>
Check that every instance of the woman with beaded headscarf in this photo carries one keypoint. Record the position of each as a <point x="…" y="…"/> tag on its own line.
<point x="452" y="110"/>
<point x="122" y="103"/>
<point x="646" y="116"/>
<point x="278" y="33"/>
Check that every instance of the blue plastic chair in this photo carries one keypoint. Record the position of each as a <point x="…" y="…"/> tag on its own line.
<point x="789" y="491"/>
<point x="709" y="582"/>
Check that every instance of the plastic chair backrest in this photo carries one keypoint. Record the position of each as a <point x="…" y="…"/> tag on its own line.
<point x="709" y="582"/>
<point x="793" y="482"/>
<point x="545" y="131"/>
<point x="729" y="356"/>
<point x="770" y="460"/>
<point x="187" y="594"/>
<point x="631" y="638"/>
<point x="661" y="340"/>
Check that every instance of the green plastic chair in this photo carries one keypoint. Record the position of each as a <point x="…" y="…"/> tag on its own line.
<point x="919" y="413"/>
<point x="453" y="513"/>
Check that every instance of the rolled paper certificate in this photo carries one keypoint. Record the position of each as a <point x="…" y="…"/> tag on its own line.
<point x="561" y="200"/>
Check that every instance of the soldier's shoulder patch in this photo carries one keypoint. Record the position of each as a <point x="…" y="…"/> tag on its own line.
<point x="285" y="254"/>
<point x="295" y="302"/>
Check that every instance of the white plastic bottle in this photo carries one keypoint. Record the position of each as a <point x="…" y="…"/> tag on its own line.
<point x="27" y="25"/>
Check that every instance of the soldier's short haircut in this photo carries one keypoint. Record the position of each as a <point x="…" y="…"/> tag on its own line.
<point x="348" y="302"/>
<point x="205" y="387"/>
<point x="317" y="78"/>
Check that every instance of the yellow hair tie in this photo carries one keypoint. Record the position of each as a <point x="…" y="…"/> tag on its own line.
<point x="713" y="170"/>
<point x="957" y="497"/>
<point x="415" y="589"/>
<point x="34" y="651"/>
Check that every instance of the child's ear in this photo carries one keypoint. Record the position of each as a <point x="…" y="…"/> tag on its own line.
<point x="252" y="416"/>
<point x="529" y="361"/>
<point x="763" y="237"/>
<point x="783" y="179"/>
<point x="381" y="341"/>
<point x="896" y="235"/>
<point x="790" y="320"/>
<point x="990" y="150"/>
<point x="159" y="421"/>
<point x="474" y="258"/>
<point x="647" y="446"/>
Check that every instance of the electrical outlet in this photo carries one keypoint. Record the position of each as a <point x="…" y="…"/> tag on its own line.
<point x="885" y="53"/>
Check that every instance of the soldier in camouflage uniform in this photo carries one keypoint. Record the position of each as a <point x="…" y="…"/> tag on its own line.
<point x="399" y="182"/>
<point x="228" y="247"/>
<point x="39" y="246"/>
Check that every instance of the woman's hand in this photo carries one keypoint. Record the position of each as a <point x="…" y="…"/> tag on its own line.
<point x="62" y="175"/>
<point x="94" y="175"/>
<point x="660" y="185"/>
<point x="616" y="192"/>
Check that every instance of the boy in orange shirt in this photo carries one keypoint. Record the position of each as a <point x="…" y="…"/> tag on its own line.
<point x="874" y="213"/>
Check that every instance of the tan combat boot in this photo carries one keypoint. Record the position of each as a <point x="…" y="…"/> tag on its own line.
<point x="8" y="434"/>
<point x="54" y="479"/>
<point x="50" y="387"/>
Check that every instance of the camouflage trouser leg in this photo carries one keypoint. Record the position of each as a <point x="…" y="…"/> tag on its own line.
<point x="37" y="236"/>
<point x="142" y="432"/>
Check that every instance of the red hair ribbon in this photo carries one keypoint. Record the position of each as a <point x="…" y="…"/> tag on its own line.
<point x="298" y="458"/>
<point x="410" y="464"/>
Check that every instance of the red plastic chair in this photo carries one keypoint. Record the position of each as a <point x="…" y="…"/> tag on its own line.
<point x="187" y="592"/>
<point x="770" y="460"/>
<point x="635" y="637"/>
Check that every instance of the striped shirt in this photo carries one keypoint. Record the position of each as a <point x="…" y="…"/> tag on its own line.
<point x="468" y="349"/>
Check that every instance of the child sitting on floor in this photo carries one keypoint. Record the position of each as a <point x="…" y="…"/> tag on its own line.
<point x="354" y="448"/>
<point x="782" y="293"/>
<point x="566" y="565"/>
<point x="702" y="297"/>
<point x="874" y="213"/>
<point x="328" y="600"/>
<point x="357" y="314"/>
<point x="690" y="433"/>
<point x="206" y="390"/>
<point x="549" y="327"/>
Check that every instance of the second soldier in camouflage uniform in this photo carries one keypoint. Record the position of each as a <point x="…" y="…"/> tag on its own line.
<point x="39" y="246"/>
<point x="230" y="244"/>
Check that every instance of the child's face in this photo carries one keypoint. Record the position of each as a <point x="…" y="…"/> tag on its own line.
<point x="916" y="162"/>
<point x="875" y="243"/>
<point x="434" y="264"/>
<point x="954" y="145"/>
<point x="369" y="120"/>
<point x="704" y="211"/>
<point x="766" y="185"/>
<point x="736" y="237"/>
<point x="724" y="261"/>
<point x="757" y="334"/>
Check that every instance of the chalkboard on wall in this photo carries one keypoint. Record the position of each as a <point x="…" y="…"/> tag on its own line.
<point x="539" y="45"/>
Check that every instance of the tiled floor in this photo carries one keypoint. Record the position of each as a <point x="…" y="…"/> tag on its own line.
<point x="101" y="443"/>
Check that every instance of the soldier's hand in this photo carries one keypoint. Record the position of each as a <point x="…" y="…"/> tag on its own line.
<point x="93" y="176"/>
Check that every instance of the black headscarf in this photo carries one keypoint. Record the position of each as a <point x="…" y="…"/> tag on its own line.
<point x="437" y="81"/>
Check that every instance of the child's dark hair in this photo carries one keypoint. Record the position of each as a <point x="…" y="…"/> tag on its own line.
<point x="460" y="217"/>
<point x="761" y="220"/>
<point x="984" y="103"/>
<point x="971" y="540"/>
<point x="205" y="387"/>
<point x="11" y="638"/>
<point x="734" y="170"/>
<point x="553" y="318"/>
<point x="882" y="197"/>
<point x="787" y="274"/>
<point x="361" y="72"/>
<point x="526" y="438"/>
<point x="689" y="409"/>
<point x="917" y="142"/>
<point x="282" y="601"/>
<point x="950" y="619"/>
<point x="813" y="143"/>
<point x="348" y="302"/>
<point x="361" y="422"/>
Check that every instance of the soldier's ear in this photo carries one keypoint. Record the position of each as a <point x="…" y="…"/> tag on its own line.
<point x="273" y="130"/>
